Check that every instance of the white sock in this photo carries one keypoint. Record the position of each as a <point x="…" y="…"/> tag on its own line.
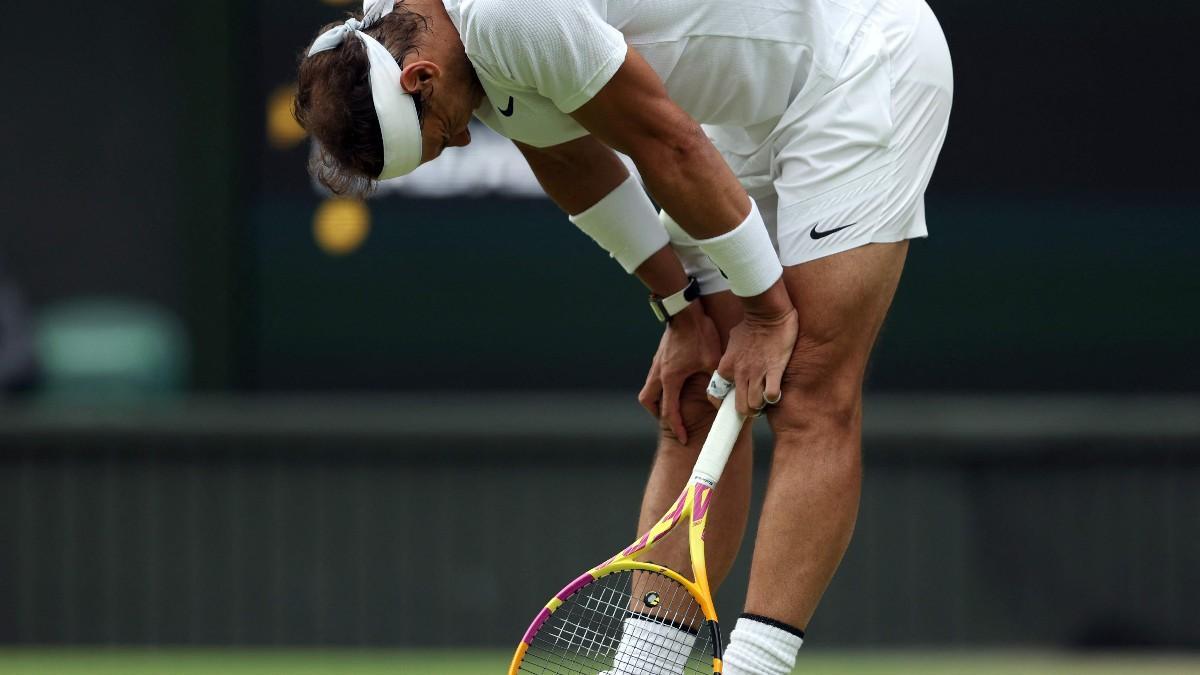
<point x="762" y="646"/>
<point x="650" y="648"/>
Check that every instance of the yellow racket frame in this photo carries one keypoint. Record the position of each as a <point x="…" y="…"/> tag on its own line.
<point x="692" y="504"/>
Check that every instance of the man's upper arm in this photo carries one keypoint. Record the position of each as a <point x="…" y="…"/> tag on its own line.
<point x="632" y="113"/>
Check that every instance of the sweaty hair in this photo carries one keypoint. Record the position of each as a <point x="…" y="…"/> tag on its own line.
<point x="334" y="103"/>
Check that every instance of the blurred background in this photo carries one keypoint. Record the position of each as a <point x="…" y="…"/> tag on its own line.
<point x="261" y="430"/>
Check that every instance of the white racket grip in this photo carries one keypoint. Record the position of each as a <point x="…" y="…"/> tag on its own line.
<point x="724" y="433"/>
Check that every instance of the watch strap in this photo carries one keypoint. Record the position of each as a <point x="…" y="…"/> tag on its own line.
<point x="665" y="308"/>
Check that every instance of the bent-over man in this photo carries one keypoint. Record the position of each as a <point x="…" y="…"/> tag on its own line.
<point x="789" y="144"/>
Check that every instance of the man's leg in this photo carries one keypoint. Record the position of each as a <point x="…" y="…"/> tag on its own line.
<point x="816" y="473"/>
<point x="673" y="466"/>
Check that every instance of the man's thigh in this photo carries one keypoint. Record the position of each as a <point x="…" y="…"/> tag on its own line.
<point x="841" y="300"/>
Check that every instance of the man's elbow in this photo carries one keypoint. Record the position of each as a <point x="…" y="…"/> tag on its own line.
<point x="674" y="147"/>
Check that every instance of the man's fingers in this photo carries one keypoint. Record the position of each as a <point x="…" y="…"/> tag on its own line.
<point x="670" y="409"/>
<point x="651" y="392"/>
<point x="774" y="389"/>
<point x="754" y="393"/>
<point x="742" y="400"/>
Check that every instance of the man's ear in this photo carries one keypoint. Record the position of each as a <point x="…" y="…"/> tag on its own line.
<point x="418" y="76"/>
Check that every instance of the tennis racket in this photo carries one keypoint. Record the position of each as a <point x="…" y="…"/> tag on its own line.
<point x="627" y="617"/>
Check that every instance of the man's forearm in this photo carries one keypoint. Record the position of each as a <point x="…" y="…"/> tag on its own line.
<point x="577" y="174"/>
<point x="697" y="183"/>
<point x="689" y="179"/>
<point x="692" y="183"/>
<point x="662" y="273"/>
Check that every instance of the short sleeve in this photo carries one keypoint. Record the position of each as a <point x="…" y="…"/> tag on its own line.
<point x="563" y="49"/>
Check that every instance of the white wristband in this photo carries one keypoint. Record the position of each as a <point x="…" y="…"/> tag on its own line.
<point x="745" y="255"/>
<point x="695" y="263"/>
<point x="625" y="224"/>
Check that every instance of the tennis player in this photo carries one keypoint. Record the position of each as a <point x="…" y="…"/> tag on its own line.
<point x="789" y="144"/>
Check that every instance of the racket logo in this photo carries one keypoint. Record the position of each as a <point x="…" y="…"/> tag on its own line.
<point x="652" y="599"/>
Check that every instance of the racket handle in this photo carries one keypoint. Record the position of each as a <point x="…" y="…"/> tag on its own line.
<point x="719" y="443"/>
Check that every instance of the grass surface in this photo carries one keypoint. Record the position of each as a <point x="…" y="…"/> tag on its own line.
<point x="80" y="661"/>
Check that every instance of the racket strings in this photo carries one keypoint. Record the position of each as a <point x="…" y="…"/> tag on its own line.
<point x="627" y="623"/>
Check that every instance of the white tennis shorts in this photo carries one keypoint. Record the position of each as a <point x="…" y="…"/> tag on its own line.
<point x="851" y="167"/>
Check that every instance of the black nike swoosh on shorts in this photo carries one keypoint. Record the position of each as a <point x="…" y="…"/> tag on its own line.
<point x="818" y="235"/>
<point x="507" y="112"/>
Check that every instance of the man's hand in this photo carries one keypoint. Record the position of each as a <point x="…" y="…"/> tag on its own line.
<point x="759" y="349"/>
<point x="689" y="345"/>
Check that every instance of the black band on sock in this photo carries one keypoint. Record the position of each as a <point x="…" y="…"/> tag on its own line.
<point x="662" y="621"/>
<point x="774" y="624"/>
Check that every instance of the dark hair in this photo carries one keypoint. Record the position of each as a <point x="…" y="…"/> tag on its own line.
<point x="334" y="103"/>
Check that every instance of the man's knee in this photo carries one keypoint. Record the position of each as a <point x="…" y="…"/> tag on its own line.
<point x="822" y="390"/>
<point x="694" y="408"/>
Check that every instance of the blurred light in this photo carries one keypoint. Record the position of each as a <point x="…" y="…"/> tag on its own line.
<point x="282" y="129"/>
<point x="340" y="226"/>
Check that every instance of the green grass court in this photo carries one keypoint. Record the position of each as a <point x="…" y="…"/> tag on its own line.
<point x="81" y="661"/>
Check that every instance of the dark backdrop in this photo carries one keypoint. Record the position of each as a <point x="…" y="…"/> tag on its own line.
<point x="120" y="167"/>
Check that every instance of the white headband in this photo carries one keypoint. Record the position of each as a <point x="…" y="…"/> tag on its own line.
<point x="398" y="122"/>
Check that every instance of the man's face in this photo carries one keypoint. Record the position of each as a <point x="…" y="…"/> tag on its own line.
<point x="444" y="124"/>
<point x="448" y="99"/>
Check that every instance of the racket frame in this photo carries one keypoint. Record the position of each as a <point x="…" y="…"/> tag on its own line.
<point x="692" y="504"/>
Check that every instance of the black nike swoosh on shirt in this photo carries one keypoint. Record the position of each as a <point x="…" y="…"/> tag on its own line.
<point x="818" y="235"/>
<point x="507" y="112"/>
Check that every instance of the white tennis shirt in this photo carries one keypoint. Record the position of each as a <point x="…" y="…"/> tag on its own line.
<point x="735" y="66"/>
